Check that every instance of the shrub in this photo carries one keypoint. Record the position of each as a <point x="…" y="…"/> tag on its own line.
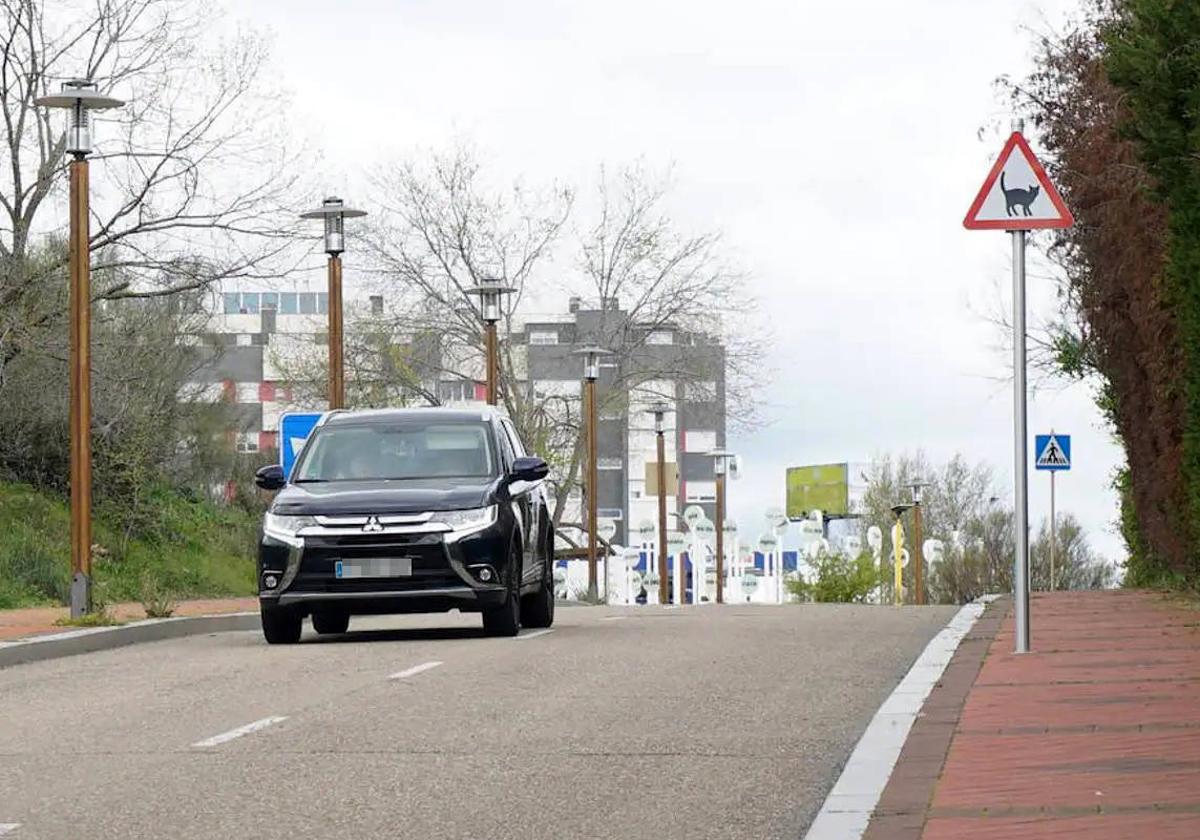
<point x="838" y="579"/>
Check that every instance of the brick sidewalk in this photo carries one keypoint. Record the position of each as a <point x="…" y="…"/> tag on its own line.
<point x="1095" y="734"/>
<point x="36" y="621"/>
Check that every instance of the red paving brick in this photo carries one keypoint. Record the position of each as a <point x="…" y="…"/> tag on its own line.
<point x="1095" y="734"/>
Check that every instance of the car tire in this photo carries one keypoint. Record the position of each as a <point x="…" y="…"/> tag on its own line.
<point x="330" y="622"/>
<point x="505" y="619"/>
<point x="537" y="610"/>
<point x="280" y="625"/>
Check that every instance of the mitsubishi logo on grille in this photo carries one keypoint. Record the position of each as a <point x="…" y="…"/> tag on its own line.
<point x="373" y="524"/>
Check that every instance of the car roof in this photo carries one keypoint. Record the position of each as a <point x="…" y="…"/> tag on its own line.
<point x="435" y="413"/>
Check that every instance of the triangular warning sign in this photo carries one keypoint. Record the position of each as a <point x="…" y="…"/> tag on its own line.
<point x="1052" y="455"/>
<point x="1017" y="194"/>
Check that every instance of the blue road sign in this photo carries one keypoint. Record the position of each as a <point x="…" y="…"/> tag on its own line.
<point x="1052" y="452"/>
<point x="294" y="430"/>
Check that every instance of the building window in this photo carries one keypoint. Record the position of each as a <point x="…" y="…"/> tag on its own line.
<point x="270" y="300"/>
<point x="233" y="303"/>
<point x="243" y="340"/>
<point x="308" y="303"/>
<point x="543" y="337"/>
<point x="247" y="392"/>
<point x="376" y="304"/>
<point x="700" y="391"/>
<point x="247" y="442"/>
<point x="610" y="513"/>
<point x="322" y="303"/>
<point x="288" y="303"/>
<point x="695" y="440"/>
<point x="660" y="337"/>
<point x="609" y="463"/>
<point x="701" y="491"/>
<point x="249" y="303"/>
<point x="546" y="388"/>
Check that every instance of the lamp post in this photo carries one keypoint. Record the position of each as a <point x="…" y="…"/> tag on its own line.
<point x="80" y="97"/>
<point x="897" y="543"/>
<point x="591" y="372"/>
<point x="489" y="291"/>
<point x="335" y="213"/>
<point x="721" y="460"/>
<point x="917" y="487"/>
<point x="659" y="410"/>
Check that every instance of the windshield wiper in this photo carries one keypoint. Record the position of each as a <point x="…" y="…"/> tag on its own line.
<point x="310" y="481"/>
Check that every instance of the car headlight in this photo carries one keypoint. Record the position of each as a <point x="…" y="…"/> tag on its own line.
<point x="285" y="528"/>
<point x="466" y="520"/>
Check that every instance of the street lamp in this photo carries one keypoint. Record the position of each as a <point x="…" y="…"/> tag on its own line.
<point x="591" y="372"/>
<point x="897" y="543"/>
<point x="659" y="410"/>
<point x="489" y="291"/>
<point x="721" y="460"/>
<point x="80" y="97"/>
<point x="917" y="486"/>
<point x="335" y="213"/>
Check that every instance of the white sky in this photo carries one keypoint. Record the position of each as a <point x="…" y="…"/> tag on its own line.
<point x="836" y="144"/>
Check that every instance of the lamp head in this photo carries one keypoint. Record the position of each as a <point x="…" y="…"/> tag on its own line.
<point x="489" y="290"/>
<point x="659" y="410"/>
<point x="79" y="96"/>
<point x="591" y="361"/>
<point x="335" y="212"/>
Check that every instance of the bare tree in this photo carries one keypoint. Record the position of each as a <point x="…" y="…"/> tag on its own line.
<point x="191" y="183"/>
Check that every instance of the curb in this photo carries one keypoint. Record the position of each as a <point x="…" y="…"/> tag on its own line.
<point x="92" y="639"/>
<point x="847" y="810"/>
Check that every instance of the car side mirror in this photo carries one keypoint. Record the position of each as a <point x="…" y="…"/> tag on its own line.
<point x="270" y="477"/>
<point x="529" y="468"/>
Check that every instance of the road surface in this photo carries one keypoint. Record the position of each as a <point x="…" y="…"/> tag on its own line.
<point x="647" y="722"/>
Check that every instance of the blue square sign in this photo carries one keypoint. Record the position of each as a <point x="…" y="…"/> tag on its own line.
<point x="294" y="430"/>
<point x="1052" y="452"/>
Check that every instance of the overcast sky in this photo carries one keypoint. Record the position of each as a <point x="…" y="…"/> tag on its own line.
<point x="837" y="146"/>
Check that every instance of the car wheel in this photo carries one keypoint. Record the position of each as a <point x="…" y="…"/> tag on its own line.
<point x="505" y="619"/>
<point x="328" y="622"/>
<point x="537" y="610"/>
<point x="280" y="625"/>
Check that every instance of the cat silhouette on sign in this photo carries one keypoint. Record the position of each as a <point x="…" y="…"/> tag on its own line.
<point x="1018" y="197"/>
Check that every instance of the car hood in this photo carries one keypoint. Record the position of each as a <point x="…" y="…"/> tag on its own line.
<point x="394" y="496"/>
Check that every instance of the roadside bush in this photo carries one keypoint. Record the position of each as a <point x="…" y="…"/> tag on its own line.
<point x="838" y="579"/>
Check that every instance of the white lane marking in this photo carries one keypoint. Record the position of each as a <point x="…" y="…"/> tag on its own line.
<point x="216" y="740"/>
<point x="534" y="634"/>
<point x="615" y="617"/>
<point x="847" y="810"/>
<point x="416" y="669"/>
<point x="5" y="828"/>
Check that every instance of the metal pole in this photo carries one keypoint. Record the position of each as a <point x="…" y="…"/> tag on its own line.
<point x="721" y="538"/>
<point x="337" y="380"/>
<point x="918" y="556"/>
<point x="1053" y="525"/>
<point x="493" y="366"/>
<point x="663" y="590"/>
<point x="81" y="392"/>
<point x="1020" y="454"/>
<point x="592" y="481"/>
<point x="898" y="570"/>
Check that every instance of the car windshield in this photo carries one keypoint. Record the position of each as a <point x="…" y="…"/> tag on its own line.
<point x="408" y="449"/>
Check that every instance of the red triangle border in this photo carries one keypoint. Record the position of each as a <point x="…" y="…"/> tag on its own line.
<point x="971" y="222"/>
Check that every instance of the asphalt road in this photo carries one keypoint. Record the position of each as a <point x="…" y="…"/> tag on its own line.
<point x="620" y="722"/>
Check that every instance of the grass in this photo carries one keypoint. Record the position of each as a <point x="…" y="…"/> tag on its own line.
<point x="99" y="618"/>
<point x="185" y="549"/>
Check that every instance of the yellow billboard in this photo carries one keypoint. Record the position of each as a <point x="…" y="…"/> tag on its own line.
<point x="824" y="487"/>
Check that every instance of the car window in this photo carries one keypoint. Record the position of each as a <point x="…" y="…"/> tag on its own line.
<point x="506" y="448"/>
<point x="513" y="439"/>
<point x="406" y="449"/>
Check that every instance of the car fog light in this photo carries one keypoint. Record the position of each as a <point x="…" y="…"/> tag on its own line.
<point x="485" y="575"/>
<point x="271" y="581"/>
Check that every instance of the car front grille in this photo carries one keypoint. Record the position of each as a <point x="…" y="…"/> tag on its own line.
<point x="430" y="565"/>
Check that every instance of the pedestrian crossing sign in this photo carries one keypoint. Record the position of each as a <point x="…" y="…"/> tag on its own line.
<point x="1053" y="452"/>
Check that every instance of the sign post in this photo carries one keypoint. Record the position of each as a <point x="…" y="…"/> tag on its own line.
<point x="1017" y="196"/>
<point x="1053" y="453"/>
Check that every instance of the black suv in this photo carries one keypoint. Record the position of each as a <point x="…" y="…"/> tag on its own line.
<point x="406" y="511"/>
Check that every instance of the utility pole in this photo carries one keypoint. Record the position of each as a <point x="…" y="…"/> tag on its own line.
<point x="659" y="410"/>
<point x="489" y="291"/>
<point x="721" y="469"/>
<point x="80" y="96"/>
<point x="333" y="212"/>
<point x="917" y="488"/>
<point x="591" y="372"/>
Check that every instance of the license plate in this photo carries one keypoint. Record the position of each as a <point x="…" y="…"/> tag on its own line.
<point x="373" y="567"/>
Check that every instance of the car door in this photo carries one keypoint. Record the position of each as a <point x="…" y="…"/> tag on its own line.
<point x="529" y="502"/>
